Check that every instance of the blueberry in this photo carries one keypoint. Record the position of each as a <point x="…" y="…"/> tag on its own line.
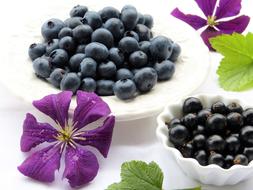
<point x="190" y="121"/>
<point x="173" y="122"/>
<point x="216" y="159"/>
<point x="80" y="48"/>
<point x="56" y="77"/>
<point x="176" y="50"/>
<point x="219" y="107"/>
<point x="178" y="135"/>
<point x="145" y="79"/>
<point x="88" y="67"/>
<point x="51" y="28"/>
<point x="75" y="61"/>
<point x="73" y="22"/>
<point x="107" y="70"/>
<point x="199" y="141"/>
<point x="52" y="45"/>
<point x="229" y="161"/>
<point x="126" y="7"/>
<point x="234" y="107"/>
<point x="149" y="22"/>
<point x="42" y="67"/>
<point x="129" y="17"/>
<point x="234" y="121"/>
<point x="165" y="70"/>
<point x="201" y="157"/>
<point x="132" y="34"/>
<point x="36" y="50"/>
<point x="124" y="74"/>
<point x="88" y="85"/>
<point x="128" y="45"/>
<point x="248" y="151"/>
<point x="203" y="115"/>
<point x="241" y="159"/>
<point x="233" y="145"/>
<point x="97" y="51"/>
<point x="143" y="32"/>
<point x="141" y="19"/>
<point x="102" y="36"/>
<point x="71" y="82"/>
<point x="138" y="59"/>
<point x="216" y="143"/>
<point x="216" y="124"/>
<point x="93" y="19"/>
<point x="105" y="87"/>
<point x="78" y="11"/>
<point x="109" y="12"/>
<point x="66" y="31"/>
<point x="144" y="46"/>
<point x="187" y="150"/>
<point x="248" y="116"/>
<point x="246" y="135"/>
<point x="199" y="130"/>
<point x="67" y="43"/>
<point x="59" y="58"/>
<point x="192" y="105"/>
<point x="124" y="89"/>
<point x="159" y="48"/>
<point x="82" y="33"/>
<point x="116" y="56"/>
<point x="116" y="27"/>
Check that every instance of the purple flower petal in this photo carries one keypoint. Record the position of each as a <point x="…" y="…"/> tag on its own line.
<point x="238" y="25"/>
<point x="228" y="8"/>
<point x="208" y="33"/>
<point x="41" y="165"/>
<point x="207" y="6"/>
<point x="193" y="20"/>
<point x="81" y="166"/>
<point x="35" y="133"/>
<point x="100" y="137"/>
<point x="55" y="106"/>
<point x="90" y="108"/>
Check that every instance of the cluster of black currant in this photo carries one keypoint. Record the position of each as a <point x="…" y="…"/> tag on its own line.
<point x="108" y="52"/>
<point x="221" y="135"/>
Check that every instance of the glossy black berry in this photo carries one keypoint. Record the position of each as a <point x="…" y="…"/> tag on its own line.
<point x="187" y="150"/>
<point x="233" y="145"/>
<point x="190" y="121"/>
<point x="199" y="130"/>
<point x="248" y="151"/>
<point x="248" y="116"/>
<point x="36" y="50"/>
<point x="216" y="143"/>
<point x="246" y="135"/>
<point x="216" y="124"/>
<point x="201" y="157"/>
<point x="234" y="121"/>
<point x="235" y="107"/>
<point x="199" y="141"/>
<point x="203" y="115"/>
<point x="178" y="135"/>
<point x="219" y="107"/>
<point x="241" y="159"/>
<point x="229" y="161"/>
<point x="174" y="121"/>
<point x="192" y="105"/>
<point x="216" y="159"/>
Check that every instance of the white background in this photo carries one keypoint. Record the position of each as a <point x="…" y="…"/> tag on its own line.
<point x="131" y="140"/>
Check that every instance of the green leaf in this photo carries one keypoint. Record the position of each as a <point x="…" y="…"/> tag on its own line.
<point x="196" y="188"/>
<point x="236" y="68"/>
<point x="137" y="175"/>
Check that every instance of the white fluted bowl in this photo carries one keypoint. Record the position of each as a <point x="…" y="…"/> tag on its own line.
<point x="211" y="174"/>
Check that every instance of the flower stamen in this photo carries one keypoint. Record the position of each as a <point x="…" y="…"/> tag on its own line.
<point x="211" y="21"/>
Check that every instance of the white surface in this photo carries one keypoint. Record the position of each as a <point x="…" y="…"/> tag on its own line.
<point x="20" y="78"/>
<point x="211" y="174"/>
<point x="131" y="140"/>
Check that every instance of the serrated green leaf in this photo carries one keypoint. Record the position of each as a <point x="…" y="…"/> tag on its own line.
<point x="236" y="68"/>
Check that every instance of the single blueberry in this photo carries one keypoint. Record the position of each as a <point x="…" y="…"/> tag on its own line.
<point x="144" y="46"/>
<point x="56" y="77"/>
<point x="138" y="59"/>
<point x="71" y="82"/>
<point x="159" y="48"/>
<point x="124" y="89"/>
<point x="42" y="67"/>
<point x="107" y="70"/>
<point x="36" y="50"/>
<point x="67" y="43"/>
<point x="165" y="70"/>
<point x="103" y="36"/>
<point x="52" y="45"/>
<point x="93" y="19"/>
<point x="124" y="74"/>
<point x="97" y="51"/>
<point x="105" y="87"/>
<point x="78" y="11"/>
<point x="129" y="17"/>
<point x="116" y="27"/>
<point x="88" y="85"/>
<point x="149" y="22"/>
<point x="51" y="28"/>
<point x="109" y="12"/>
<point x="116" y="56"/>
<point x="66" y="31"/>
<point x="132" y="34"/>
<point x="73" y="22"/>
<point x="143" y="32"/>
<point x="128" y="45"/>
<point x="141" y="19"/>
<point x="75" y="61"/>
<point x="88" y="67"/>
<point x="82" y="34"/>
<point x="176" y="50"/>
<point x="59" y="58"/>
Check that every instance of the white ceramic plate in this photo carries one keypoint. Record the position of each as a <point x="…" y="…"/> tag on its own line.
<point x="191" y="70"/>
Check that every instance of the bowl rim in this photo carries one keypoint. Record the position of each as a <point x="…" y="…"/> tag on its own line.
<point x="164" y="139"/>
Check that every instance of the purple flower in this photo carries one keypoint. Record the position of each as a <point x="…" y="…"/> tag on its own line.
<point x="214" y="25"/>
<point x="68" y="138"/>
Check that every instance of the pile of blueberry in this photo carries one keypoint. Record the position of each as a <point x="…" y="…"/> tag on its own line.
<point x="221" y="135"/>
<point x="108" y="52"/>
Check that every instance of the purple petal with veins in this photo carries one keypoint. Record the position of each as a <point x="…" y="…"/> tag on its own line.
<point x="100" y="137"/>
<point x="208" y="33"/>
<point x="81" y="166"/>
<point x="193" y="20"/>
<point x="228" y="8"/>
<point x="35" y="133"/>
<point x="207" y="6"/>
<point x="90" y="108"/>
<point x="55" y="106"/>
<point x="41" y="165"/>
<point x="238" y="25"/>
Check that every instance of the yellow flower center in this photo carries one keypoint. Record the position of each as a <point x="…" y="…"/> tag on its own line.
<point x="211" y="21"/>
<point x="65" y="134"/>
